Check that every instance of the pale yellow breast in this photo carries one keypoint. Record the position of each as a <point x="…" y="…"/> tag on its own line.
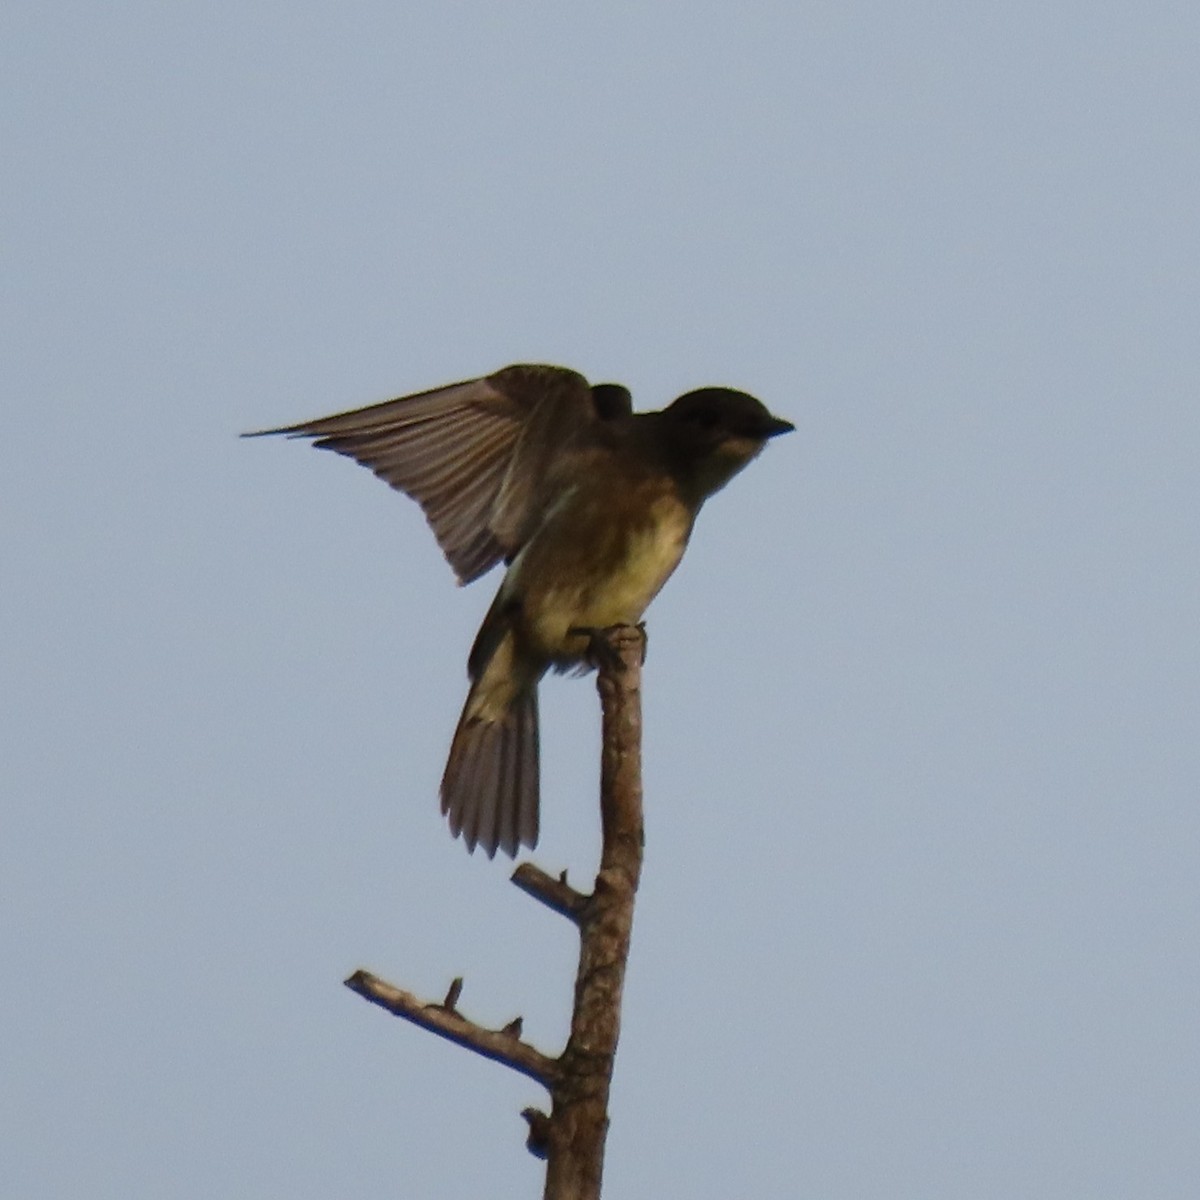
<point x="651" y="552"/>
<point x="639" y="557"/>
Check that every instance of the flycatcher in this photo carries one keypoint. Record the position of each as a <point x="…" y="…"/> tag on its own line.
<point x="589" y="505"/>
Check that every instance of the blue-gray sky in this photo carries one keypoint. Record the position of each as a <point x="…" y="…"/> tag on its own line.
<point x="922" y="887"/>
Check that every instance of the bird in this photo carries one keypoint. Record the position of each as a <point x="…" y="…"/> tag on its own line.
<point x="589" y="505"/>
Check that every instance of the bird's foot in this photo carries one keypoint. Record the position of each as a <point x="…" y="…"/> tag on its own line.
<point x="641" y="628"/>
<point x="601" y="653"/>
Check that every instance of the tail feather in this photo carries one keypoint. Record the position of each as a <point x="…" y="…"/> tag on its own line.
<point x="490" y="788"/>
<point x="526" y="810"/>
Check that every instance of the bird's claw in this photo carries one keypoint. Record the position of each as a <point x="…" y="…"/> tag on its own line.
<point x="601" y="653"/>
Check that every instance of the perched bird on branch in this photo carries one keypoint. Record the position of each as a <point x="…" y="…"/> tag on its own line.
<point x="589" y="505"/>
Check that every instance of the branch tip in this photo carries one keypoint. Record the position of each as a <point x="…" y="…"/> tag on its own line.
<point x="452" y="994"/>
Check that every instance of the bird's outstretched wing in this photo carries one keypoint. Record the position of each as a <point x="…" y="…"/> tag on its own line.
<point x="474" y="455"/>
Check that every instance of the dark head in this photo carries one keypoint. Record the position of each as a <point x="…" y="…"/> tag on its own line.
<point x="717" y="431"/>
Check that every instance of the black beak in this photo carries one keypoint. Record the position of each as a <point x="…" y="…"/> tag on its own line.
<point x="777" y="425"/>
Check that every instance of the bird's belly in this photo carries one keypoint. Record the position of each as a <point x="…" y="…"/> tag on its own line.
<point x="594" y="583"/>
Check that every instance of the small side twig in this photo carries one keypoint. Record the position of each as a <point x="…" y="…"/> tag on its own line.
<point x="556" y="894"/>
<point x="500" y="1045"/>
<point x="538" y="1141"/>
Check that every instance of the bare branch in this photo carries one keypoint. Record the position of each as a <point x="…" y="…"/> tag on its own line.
<point x="571" y="1138"/>
<point x="575" y="1133"/>
<point x="500" y="1045"/>
<point x="556" y="894"/>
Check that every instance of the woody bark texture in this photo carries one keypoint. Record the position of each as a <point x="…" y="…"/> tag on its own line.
<point x="578" y="1123"/>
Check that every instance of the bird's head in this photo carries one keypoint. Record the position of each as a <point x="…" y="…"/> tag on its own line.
<point x="719" y="430"/>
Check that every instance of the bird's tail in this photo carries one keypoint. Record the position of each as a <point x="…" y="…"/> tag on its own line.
<point x="490" y="788"/>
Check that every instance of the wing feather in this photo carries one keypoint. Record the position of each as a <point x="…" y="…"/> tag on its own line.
<point x="474" y="455"/>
